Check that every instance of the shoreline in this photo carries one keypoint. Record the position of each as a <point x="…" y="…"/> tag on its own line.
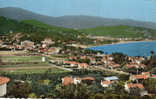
<point x="123" y="42"/>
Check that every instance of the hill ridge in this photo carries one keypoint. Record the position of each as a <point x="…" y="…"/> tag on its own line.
<point x="71" y="21"/>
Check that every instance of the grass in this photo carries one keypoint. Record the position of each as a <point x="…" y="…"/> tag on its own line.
<point x="15" y="59"/>
<point x="4" y="53"/>
<point x="25" y="65"/>
<point x="35" y="71"/>
<point x="120" y="31"/>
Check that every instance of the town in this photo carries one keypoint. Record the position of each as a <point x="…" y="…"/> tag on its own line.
<point x="71" y="65"/>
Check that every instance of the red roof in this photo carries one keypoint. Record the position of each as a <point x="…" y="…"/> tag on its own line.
<point x="153" y="76"/>
<point x="106" y="82"/>
<point x="135" y="86"/>
<point x="88" y="78"/>
<point x="141" y="76"/>
<point x="67" y="81"/>
<point x="4" y="80"/>
<point x="83" y="65"/>
<point x="70" y="62"/>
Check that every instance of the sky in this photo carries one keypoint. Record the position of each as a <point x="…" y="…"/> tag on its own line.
<point x="143" y="10"/>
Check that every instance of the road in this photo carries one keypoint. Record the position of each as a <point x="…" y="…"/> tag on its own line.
<point x="110" y="70"/>
<point x="60" y="67"/>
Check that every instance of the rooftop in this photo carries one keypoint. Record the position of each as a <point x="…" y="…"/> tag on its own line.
<point x="4" y="80"/>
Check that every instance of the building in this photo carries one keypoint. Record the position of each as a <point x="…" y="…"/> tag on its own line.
<point x="71" y="63"/>
<point x="131" y="86"/>
<point x="112" y="78"/>
<point x="83" y="65"/>
<point x="70" y="80"/>
<point x="47" y="42"/>
<point x="3" y="85"/>
<point x="27" y="44"/>
<point x="106" y="83"/>
<point x="67" y="81"/>
<point x="144" y="75"/>
<point x="54" y="50"/>
<point x="88" y="78"/>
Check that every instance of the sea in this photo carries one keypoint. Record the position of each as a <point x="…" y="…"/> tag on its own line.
<point x="140" y="48"/>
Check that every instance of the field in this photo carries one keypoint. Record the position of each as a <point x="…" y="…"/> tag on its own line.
<point x="120" y="31"/>
<point x="26" y="65"/>
<point x="10" y="53"/>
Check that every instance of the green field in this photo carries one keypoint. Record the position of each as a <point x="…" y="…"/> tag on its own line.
<point x="121" y="31"/>
<point x="15" y="59"/>
<point x="35" y="71"/>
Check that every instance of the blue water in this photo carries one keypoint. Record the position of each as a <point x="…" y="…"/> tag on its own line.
<point x="131" y="49"/>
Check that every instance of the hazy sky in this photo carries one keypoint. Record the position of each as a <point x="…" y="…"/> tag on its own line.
<point x="144" y="10"/>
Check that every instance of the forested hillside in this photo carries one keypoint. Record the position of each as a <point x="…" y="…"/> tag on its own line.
<point x="121" y="31"/>
<point x="37" y="31"/>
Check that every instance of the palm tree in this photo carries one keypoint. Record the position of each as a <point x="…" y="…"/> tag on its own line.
<point x="152" y="53"/>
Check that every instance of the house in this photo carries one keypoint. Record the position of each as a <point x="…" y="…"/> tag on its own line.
<point x="70" y="80"/>
<point x="27" y="44"/>
<point x="112" y="78"/>
<point x="153" y="76"/>
<point x="106" y="83"/>
<point x="67" y="81"/>
<point x="88" y="78"/>
<point x="47" y="42"/>
<point x="71" y="63"/>
<point x="1" y="42"/>
<point x="144" y="75"/>
<point x="92" y="60"/>
<point x="131" y="86"/>
<point x="53" y="50"/>
<point x="3" y="85"/>
<point x="83" y="65"/>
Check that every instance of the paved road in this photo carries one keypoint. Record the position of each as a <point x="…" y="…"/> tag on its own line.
<point x="60" y="67"/>
<point x="110" y="70"/>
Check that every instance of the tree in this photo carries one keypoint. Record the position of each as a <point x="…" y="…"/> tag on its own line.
<point x="150" y="85"/>
<point x="120" y="58"/>
<point x="19" y="90"/>
<point x="80" y="91"/>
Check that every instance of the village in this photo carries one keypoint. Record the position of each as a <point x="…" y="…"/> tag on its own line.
<point x="73" y="57"/>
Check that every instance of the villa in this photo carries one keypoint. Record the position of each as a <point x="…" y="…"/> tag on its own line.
<point x="144" y="75"/>
<point x="131" y="86"/>
<point x="106" y="83"/>
<point x="3" y="85"/>
<point x="76" y="80"/>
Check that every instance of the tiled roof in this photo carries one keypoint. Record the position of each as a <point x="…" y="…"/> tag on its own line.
<point x="135" y="86"/>
<point x="70" y="62"/>
<point x="153" y="76"/>
<point x="67" y="80"/>
<point x="88" y="78"/>
<point x="4" y="80"/>
<point x="146" y="73"/>
<point x="106" y="82"/>
<point x="141" y="76"/>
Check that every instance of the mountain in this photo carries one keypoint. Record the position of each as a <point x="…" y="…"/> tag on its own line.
<point x="77" y="22"/>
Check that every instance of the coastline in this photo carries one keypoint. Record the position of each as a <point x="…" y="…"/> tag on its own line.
<point x="122" y="42"/>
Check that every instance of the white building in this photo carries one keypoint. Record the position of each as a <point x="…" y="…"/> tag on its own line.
<point x="3" y="85"/>
<point x="106" y="83"/>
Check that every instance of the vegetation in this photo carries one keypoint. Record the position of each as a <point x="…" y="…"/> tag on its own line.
<point x="150" y="85"/>
<point x="120" y="58"/>
<point x="36" y="31"/>
<point x="121" y="31"/>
